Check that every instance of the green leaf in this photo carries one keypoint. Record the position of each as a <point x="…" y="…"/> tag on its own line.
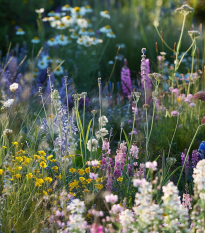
<point x="81" y="126"/>
<point x="78" y="160"/>
<point x="165" y="182"/>
<point x="89" y="125"/>
<point x="99" y="152"/>
<point x="128" y="144"/>
<point x="163" y="165"/>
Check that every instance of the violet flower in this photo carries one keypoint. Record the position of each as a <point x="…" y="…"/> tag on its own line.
<point x="126" y="80"/>
<point x="183" y="156"/>
<point x="194" y="158"/>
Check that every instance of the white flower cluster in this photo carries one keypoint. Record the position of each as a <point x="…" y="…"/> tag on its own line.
<point x="8" y="103"/>
<point x="175" y="214"/>
<point x="92" y="143"/>
<point x="199" y="176"/>
<point x="101" y="133"/>
<point x="126" y="219"/>
<point x="13" y="87"/>
<point x="103" y="121"/>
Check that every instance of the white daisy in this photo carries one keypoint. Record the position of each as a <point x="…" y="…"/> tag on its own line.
<point x="106" y="29"/>
<point x="66" y="8"/>
<point x="59" y="70"/>
<point x="82" y="23"/>
<point x="111" y="35"/>
<point x="90" y="32"/>
<point x="51" y="13"/>
<point x="88" y="9"/>
<point x="8" y="103"/>
<point x="51" y="42"/>
<point x="105" y="14"/>
<point x="42" y="64"/>
<point x="35" y="40"/>
<point x="67" y="20"/>
<point x="40" y="11"/>
<point x="74" y="35"/>
<point x="20" y="31"/>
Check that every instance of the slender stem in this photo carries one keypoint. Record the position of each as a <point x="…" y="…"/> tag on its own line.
<point x="84" y="115"/>
<point x="152" y="122"/>
<point x="133" y="124"/>
<point x="192" y="68"/>
<point x="188" y="152"/>
<point x="199" y="112"/>
<point x="99" y="105"/>
<point x="173" y="135"/>
<point x="92" y="134"/>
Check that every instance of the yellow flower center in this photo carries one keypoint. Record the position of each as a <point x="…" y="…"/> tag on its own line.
<point x="77" y="9"/>
<point x="107" y="27"/>
<point x="106" y="12"/>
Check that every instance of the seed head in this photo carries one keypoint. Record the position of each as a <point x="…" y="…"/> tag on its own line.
<point x="199" y="96"/>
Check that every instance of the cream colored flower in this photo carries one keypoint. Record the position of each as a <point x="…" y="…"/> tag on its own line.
<point x="13" y="87"/>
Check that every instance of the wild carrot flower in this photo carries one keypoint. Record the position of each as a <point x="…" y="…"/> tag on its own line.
<point x="184" y="10"/>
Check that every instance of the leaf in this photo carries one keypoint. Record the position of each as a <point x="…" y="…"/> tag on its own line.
<point x="77" y="160"/>
<point x="163" y="165"/>
<point x="99" y="152"/>
<point x="81" y="126"/>
<point x="86" y="139"/>
<point x="171" y="175"/>
<point x="128" y="144"/>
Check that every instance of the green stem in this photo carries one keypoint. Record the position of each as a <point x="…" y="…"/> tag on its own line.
<point x="199" y="112"/>
<point x="152" y="122"/>
<point x="173" y="135"/>
<point x="132" y="125"/>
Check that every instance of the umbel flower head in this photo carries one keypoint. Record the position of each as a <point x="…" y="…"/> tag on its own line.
<point x="199" y="96"/>
<point x="184" y="10"/>
<point x="8" y="132"/>
<point x="194" y="34"/>
<point x="156" y="76"/>
<point x="13" y="87"/>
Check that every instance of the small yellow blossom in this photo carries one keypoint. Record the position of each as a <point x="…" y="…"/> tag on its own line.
<point x="89" y="180"/>
<point x="55" y="168"/>
<point x="19" y="168"/>
<point x="49" y="157"/>
<point x="45" y="193"/>
<point x="42" y="153"/>
<point x="99" y="180"/>
<point x="59" y="177"/>
<point x="48" y="179"/>
<point x="4" y="147"/>
<point x="81" y="179"/>
<point x="53" y="160"/>
<point x="50" y="190"/>
<point x="43" y="164"/>
<point x="100" y="186"/>
<point x="87" y="170"/>
<point x="37" y="157"/>
<point x="36" y="171"/>
<point x="81" y="172"/>
<point x="29" y="176"/>
<point x="18" y="176"/>
<point x="15" y="143"/>
<point x="1" y="171"/>
<point x="20" y="159"/>
<point x="120" y="179"/>
<point x="178" y="99"/>
<point x="72" y="170"/>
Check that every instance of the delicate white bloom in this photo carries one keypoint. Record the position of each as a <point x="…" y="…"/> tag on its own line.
<point x="111" y="35"/>
<point x="82" y="32"/>
<point x="151" y="165"/>
<point x="20" y="31"/>
<point x="93" y="163"/>
<point x="156" y="23"/>
<point x="106" y="29"/>
<point x="75" y="223"/>
<point x="61" y="26"/>
<point x="59" y="70"/>
<point x="63" y="40"/>
<point x="102" y="133"/>
<point x="42" y="64"/>
<point x="52" y="42"/>
<point x="66" y="8"/>
<point x="13" y="87"/>
<point x="67" y="20"/>
<point x="134" y="151"/>
<point x="74" y="35"/>
<point x="76" y="206"/>
<point x="35" y="40"/>
<point x="105" y="14"/>
<point x="199" y="176"/>
<point x="51" y="13"/>
<point x="88" y="9"/>
<point x="40" y="11"/>
<point x="126" y="219"/>
<point x="111" y="198"/>
<point x="116" y="209"/>
<point x="103" y="120"/>
<point x="90" y="32"/>
<point x="94" y="143"/>
<point x="55" y="23"/>
<point x="8" y="103"/>
<point x="82" y="23"/>
<point x="111" y="62"/>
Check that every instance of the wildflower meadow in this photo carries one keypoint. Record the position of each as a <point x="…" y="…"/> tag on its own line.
<point x="102" y="116"/>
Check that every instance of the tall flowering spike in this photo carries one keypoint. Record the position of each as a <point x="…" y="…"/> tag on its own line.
<point x="145" y="67"/>
<point x="199" y="96"/>
<point x="126" y="79"/>
<point x="195" y="158"/>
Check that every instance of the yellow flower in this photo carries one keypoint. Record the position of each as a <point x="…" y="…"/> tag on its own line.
<point x="29" y="176"/>
<point x="17" y="176"/>
<point x="23" y="152"/>
<point x="100" y="186"/>
<point x="53" y="160"/>
<point x="77" y="9"/>
<point x="27" y="160"/>
<point x="81" y="172"/>
<point x="48" y="179"/>
<point x="99" y="180"/>
<point x="55" y="168"/>
<point x="37" y="157"/>
<point x="1" y="171"/>
<point x="50" y="190"/>
<point x="39" y="182"/>
<point x="36" y="171"/>
<point x="81" y="179"/>
<point x="178" y="99"/>
<point x="86" y="190"/>
<point x="45" y="193"/>
<point x="43" y="164"/>
<point x="87" y="170"/>
<point x="41" y="152"/>
<point x="15" y="143"/>
<point x="89" y="180"/>
<point x="19" y="168"/>
<point x="20" y="159"/>
<point x="4" y="147"/>
<point x="49" y="157"/>
<point x="59" y="177"/>
<point x="120" y="179"/>
<point x="72" y="170"/>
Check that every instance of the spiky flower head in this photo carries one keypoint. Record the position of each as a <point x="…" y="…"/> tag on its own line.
<point x="199" y="96"/>
<point x="194" y="34"/>
<point x="156" y="76"/>
<point x="184" y="10"/>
